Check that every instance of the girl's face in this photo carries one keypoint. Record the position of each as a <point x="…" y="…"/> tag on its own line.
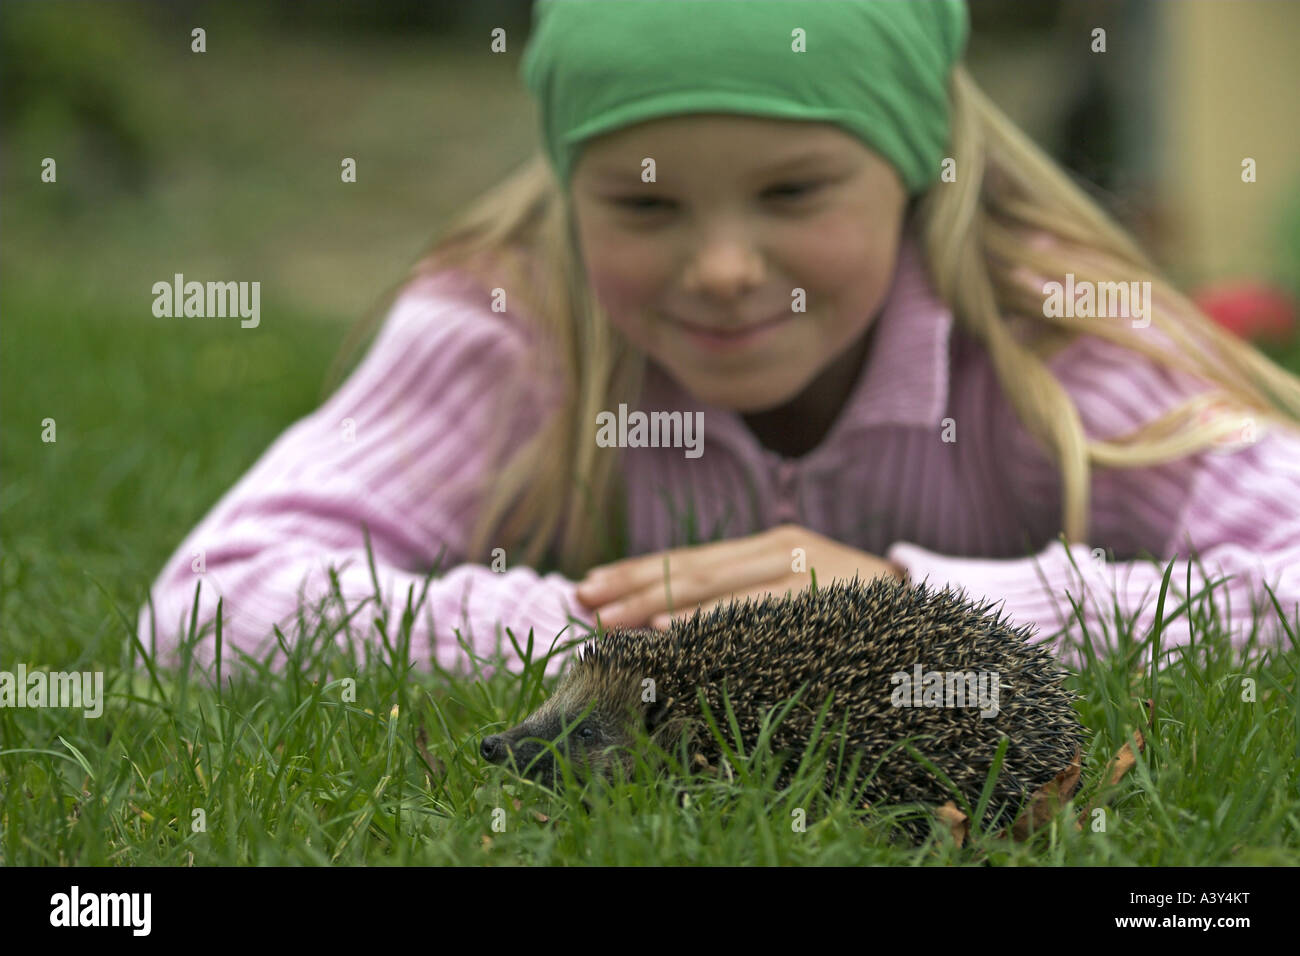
<point x="699" y="268"/>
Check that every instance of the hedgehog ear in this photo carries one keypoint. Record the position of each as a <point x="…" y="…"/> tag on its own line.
<point x="656" y="713"/>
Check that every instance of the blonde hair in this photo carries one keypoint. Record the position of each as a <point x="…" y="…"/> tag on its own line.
<point x="561" y="489"/>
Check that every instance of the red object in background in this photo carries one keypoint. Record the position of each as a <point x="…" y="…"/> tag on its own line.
<point x="1248" y="308"/>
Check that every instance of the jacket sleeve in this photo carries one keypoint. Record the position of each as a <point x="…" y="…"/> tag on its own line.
<point x="400" y="448"/>
<point x="1236" y="508"/>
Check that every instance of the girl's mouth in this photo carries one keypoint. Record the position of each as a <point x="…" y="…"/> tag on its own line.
<point x="722" y="340"/>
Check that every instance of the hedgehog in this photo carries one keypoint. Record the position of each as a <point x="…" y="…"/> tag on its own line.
<point x="891" y="664"/>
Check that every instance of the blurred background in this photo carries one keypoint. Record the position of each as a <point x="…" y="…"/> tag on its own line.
<point x="226" y="162"/>
<point x="225" y="165"/>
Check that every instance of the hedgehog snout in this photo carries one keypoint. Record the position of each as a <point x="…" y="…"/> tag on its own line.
<point x="583" y="741"/>
<point x="515" y="743"/>
<point x="523" y="746"/>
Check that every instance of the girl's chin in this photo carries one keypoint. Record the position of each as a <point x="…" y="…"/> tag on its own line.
<point x="747" y="394"/>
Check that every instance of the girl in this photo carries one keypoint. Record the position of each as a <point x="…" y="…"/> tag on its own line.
<point x="803" y="227"/>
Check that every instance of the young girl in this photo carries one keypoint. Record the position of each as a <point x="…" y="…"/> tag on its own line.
<point x="801" y="228"/>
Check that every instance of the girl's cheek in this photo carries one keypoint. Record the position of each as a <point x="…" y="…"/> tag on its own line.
<point x="625" y="284"/>
<point x="616" y="264"/>
<point x="842" y="252"/>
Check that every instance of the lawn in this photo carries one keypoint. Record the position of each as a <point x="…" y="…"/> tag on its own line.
<point x="287" y="769"/>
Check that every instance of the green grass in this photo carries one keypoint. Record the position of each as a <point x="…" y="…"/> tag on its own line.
<point x="286" y="770"/>
<point x="297" y="767"/>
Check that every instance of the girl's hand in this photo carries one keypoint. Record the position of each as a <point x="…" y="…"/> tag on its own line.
<point x="637" y="591"/>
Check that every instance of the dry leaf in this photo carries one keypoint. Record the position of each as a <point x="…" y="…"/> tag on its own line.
<point x="956" y="821"/>
<point x="1125" y="759"/>
<point x="1048" y="799"/>
<point x="1121" y="764"/>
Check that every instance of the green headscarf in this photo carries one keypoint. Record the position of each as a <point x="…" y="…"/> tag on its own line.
<point x="876" y="68"/>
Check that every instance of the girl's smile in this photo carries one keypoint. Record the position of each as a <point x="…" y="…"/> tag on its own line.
<point x="732" y="337"/>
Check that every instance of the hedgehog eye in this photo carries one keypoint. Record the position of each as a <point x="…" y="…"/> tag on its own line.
<point x="587" y="733"/>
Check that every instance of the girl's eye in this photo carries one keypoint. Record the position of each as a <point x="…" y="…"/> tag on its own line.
<point x="800" y="189"/>
<point x="641" y="203"/>
<point x="785" y="192"/>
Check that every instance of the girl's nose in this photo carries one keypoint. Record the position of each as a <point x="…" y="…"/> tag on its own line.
<point x="725" y="270"/>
